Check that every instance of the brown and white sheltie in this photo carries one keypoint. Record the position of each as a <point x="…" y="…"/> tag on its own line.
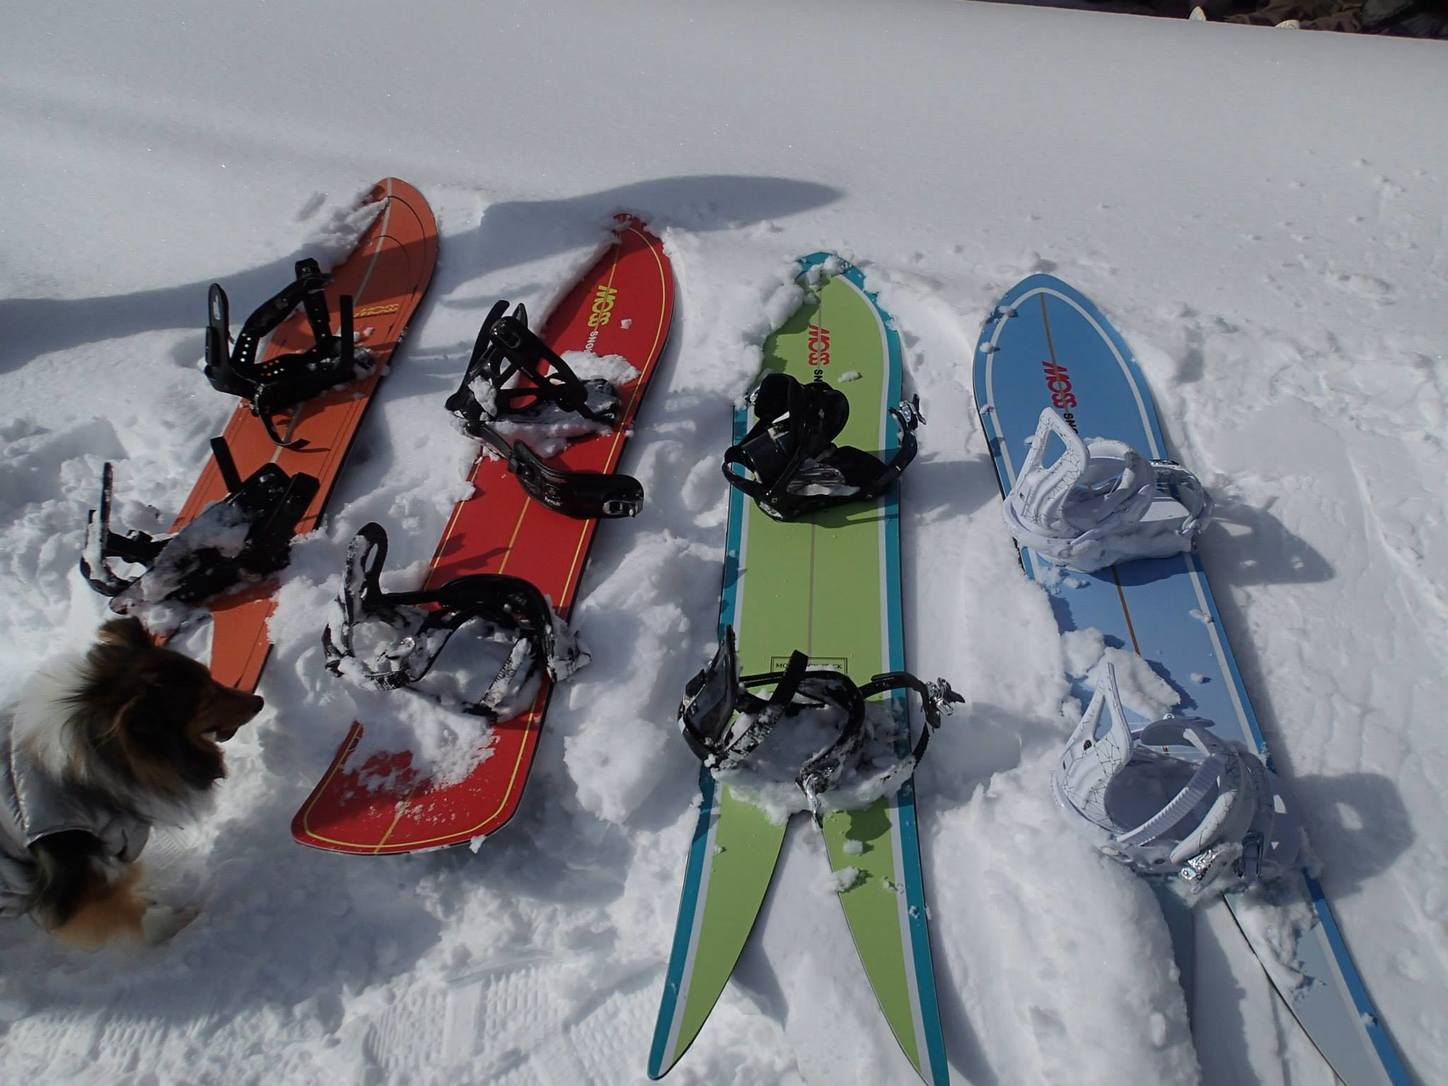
<point x="99" y="748"/>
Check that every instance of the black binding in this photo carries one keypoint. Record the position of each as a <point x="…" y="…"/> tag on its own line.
<point x="510" y="358"/>
<point x="426" y="620"/>
<point x="723" y="722"/>
<point x="790" y="450"/>
<point x="288" y="379"/>
<point x="188" y="567"/>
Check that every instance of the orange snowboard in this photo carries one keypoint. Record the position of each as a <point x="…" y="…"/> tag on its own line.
<point x="621" y="306"/>
<point x="386" y="275"/>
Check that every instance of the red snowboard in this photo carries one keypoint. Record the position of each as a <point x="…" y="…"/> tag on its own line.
<point x="387" y="275"/>
<point x="621" y="306"/>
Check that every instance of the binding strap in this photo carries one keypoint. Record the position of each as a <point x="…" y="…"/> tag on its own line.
<point x="790" y="453"/>
<point x="246" y="533"/>
<point x="580" y="494"/>
<point x="724" y="722"/>
<point x="424" y="622"/>
<point x="288" y="379"/>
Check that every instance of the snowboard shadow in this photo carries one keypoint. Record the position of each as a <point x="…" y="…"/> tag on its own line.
<point x="519" y="232"/>
<point x="551" y="851"/>
<point x="512" y="232"/>
<point x="963" y="1048"/>
<point x="38" y="326"/>
<point x="1253" y="547"/>
<point x="1359" y="819"/>
<point x="1219" y="1005"/>
<point x="755" y="975"/>
<point x="979" y="741"/>
<point x="937" y="487"/>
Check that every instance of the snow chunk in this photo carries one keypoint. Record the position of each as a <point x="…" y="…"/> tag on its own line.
<point x="1082" y="650"/>
<point x="333" y="241"/>
<point x="1275" y="926"/>
<point x="613" y="368"/>
<point x="615" y="765"/>
<point x="1143" y="691"/>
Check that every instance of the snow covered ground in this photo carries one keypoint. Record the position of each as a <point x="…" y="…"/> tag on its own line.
<point x="1261" y="214"/>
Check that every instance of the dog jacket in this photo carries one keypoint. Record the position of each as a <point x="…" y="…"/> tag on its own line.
<point x="34" y="805"/>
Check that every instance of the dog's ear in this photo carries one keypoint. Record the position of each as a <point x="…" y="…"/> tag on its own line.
<point x="154" y="727"/>
<point x="152" y="711"/>
<point x="147" y="735"/>
<point x="125" y="633"/>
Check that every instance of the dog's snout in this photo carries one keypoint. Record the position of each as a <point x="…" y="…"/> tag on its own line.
<point x="247" y="706"/>
<point x="233" y="708"/>
<point x="240" y="706"/>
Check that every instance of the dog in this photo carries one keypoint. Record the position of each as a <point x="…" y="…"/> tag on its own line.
<point x="98" y="749"/>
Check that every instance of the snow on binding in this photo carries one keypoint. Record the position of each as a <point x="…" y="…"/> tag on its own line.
<point x="1188" y="797"/>
<point x="517" y="544"/>
<point x="811" y="611"/>
<point x="272" y="470"/>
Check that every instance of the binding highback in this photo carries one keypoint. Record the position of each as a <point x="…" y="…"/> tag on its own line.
<point x="285" y="380"/>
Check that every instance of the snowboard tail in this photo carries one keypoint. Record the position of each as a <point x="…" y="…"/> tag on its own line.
<point x="1043" y="345"/>
<point x="827" y="585"/>
<point x="731" y="860"/>
<point x="386" y="275"/>
<point x="622" y="305"/>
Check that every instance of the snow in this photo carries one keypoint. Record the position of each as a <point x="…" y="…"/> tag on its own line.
<point x="1260" y="214"/>
<point x="1142" y="690"/>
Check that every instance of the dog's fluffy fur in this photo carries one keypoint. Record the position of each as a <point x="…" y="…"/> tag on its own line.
<point x="130" y="728"/>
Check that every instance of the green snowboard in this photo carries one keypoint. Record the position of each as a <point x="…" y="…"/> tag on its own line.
<point x="829" y="586"/>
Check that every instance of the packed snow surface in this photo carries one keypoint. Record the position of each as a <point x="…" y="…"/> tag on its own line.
<point x="1263" y="217"/>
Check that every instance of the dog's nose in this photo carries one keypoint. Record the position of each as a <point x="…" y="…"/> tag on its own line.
<point x="255" y="705"/>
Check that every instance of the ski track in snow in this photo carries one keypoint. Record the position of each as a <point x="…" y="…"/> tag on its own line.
<point x="1271" y="250"/>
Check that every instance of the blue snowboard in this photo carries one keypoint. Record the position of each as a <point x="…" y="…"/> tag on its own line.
<point x="1045" y="344"/>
